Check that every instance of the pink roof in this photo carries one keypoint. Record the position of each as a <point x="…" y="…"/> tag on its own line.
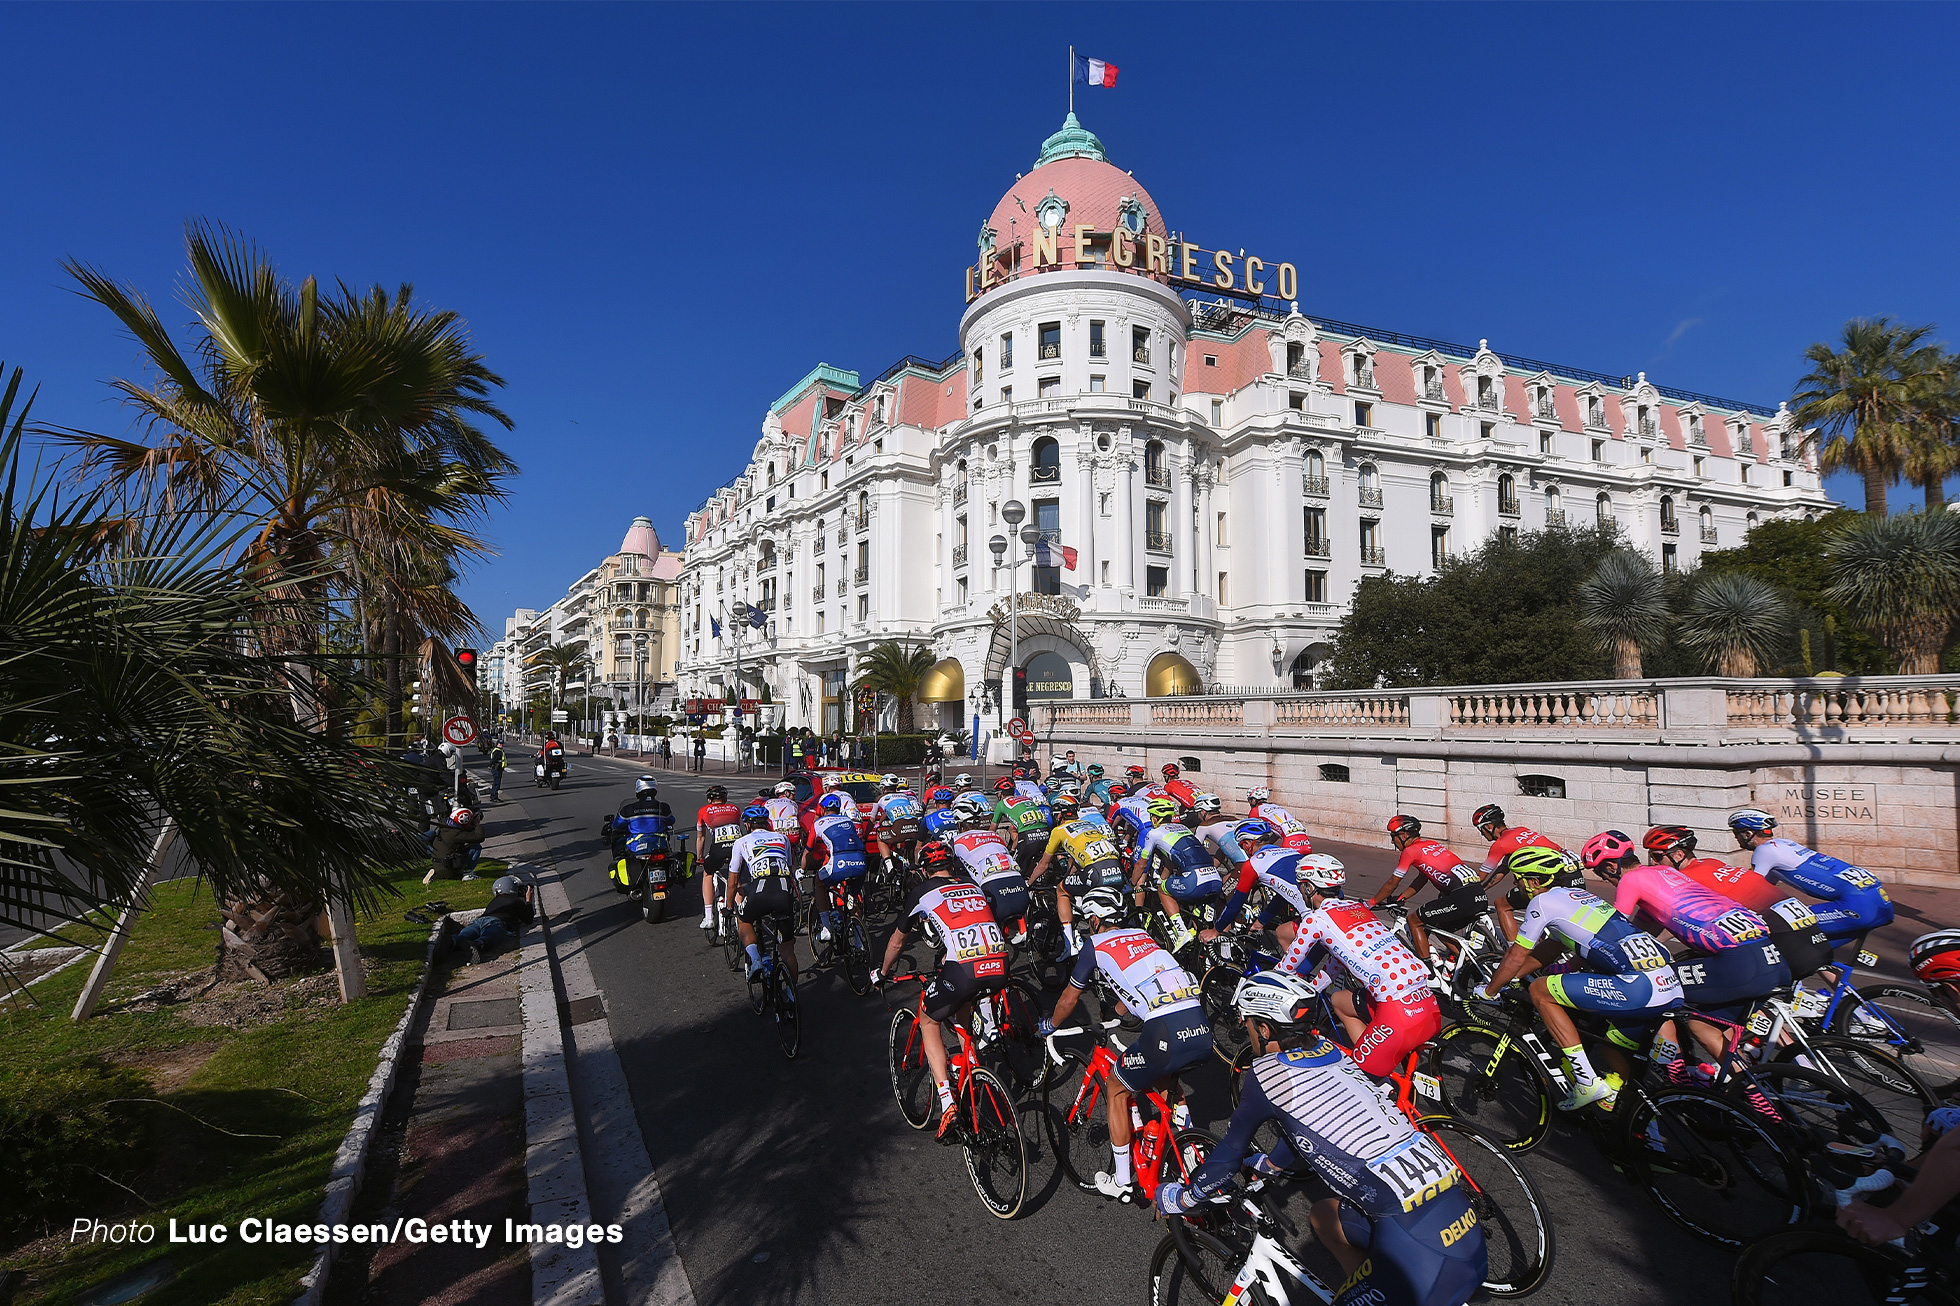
<point x="667" y="567"/>
<point x="1240" y="363"/>
<point x="1396" y="375"/>
<point x="1453" y="384"/>
<point x="1566" y="401"/>
<point x="1332" y="369"/>
<point x="1671" y="425"/>
<point x="1517" y="399"/>
<point x="641" y="539"/>
<point x="1094" y="190"/>
<point x="1616" y="416"/>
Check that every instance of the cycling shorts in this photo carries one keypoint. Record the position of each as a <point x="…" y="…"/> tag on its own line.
<point x="1168" y="1044"/>
<point x="960" y="982"/>
<point x="900" y="832"/>
<point x="1299" y="841"/>
<point x="1395" y="1029"/>
<point x="769" y="898"/>
<point x="1278" y="912"/>
<point x="718" y="854"/>
<point x="1734" y="975"/>
<point x="1027" y="852"/>
<point x="1007" y="897"/>
<point x="839" y="867"/>
<point x="1191" y="886"/>
<point x="1805" y="949"/>
<point x="1854" y="913"/>
<point x="1456" y="910"/>
<point x="1431" y="1256"/>
<point x="1078" y="880"/>
<point x="1610" y="995"/>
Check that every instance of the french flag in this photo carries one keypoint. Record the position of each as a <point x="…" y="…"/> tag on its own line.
<point x="1094" y="72"/>
<point x="1054" y="555"/>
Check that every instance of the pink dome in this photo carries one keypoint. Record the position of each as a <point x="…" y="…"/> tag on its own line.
<point x="640" y="539"/>
<point x="1073" y="169"/>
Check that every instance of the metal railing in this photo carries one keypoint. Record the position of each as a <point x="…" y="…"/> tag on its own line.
<point x="1300" y="371"/>
<point x="1509" y="508"/>
<point x="818" y="546"/>
<point x="766" y="565"/>
<point x="1670" y="526"/>
<point x="1039" y="475"/>
<point x="1434" y="392"/>
<point x="1157" y="476"/>
<point x="842" y="588"/>
<point x="1442" y="505"/>
<point x="959" y="555"/>
<point x="1314" y="486"/>
<point x="959" y="491"/>
<point x="1364" y="377"/>
<point x="1708" y="535"/>
<point x="1370" y="496"/>
<point x="1006" y="360"/>
<point x="1157" y="541"/>
<point x="1318" y="547"/>
<point x="768" y="603"/>
<point x="1376" y="556"/>
<point x="861" y="575"/>
<point x="1596" y="419"/>
<point x="1547" y="410"/>
<point x="1097" y="349"/>
<point x="1555" y="516"/>
<point x="1648" y="429"/>
<point x="1141" y="356"/>
<point x="864" y="521"/>
<point x="1487" y="400"/>
<point x="1050" y="351"/>
<point x="816" y="592"/>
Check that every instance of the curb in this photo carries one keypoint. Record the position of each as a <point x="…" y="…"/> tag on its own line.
<point x="350" y="1162"/>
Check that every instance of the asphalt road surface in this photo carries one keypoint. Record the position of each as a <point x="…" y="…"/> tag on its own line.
<point x="799" y="1182"/>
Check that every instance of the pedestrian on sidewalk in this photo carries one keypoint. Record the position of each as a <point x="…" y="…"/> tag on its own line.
<point x="667" y="751"/>
<point x="510" y="910"/>
<point x="497" y="764"/>
<point x="700" y="752"/>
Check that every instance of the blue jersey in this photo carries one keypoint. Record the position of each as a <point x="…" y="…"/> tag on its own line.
<point x="945" y="821"/>
<point x="839" y="834"/>
<point x="1858" y="901"/>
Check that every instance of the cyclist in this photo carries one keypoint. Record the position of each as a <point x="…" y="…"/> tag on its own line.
<point x="834" y="784"/>
<point x="1505" y="840"/>
<point x="1152" y="987"/>
<point x="1339" y="937"/>
<point x="1792" y="920"/>
<point x="1277" y="867"/>
<point x="1293" y="833"/>
<point x="1935" y="959"/>
<point x="1410" y="1238"/>
<point x="1095" y="788"/>
<point x="1626" y="973"/>
<point x="1734" y="961"/>
<point x="1129" y="817"/>
<point x="1027" y="785"/>
<point x="975" y="961"/>
<point x="1026" y="822"/>
<point x="1460" y="897"/>
<point x="1091" y="862"/>
<point x="1175" y="862"/>
<point x="836" y="851"/>
<point x="758" y="874"/>
<point x="717" y="826"/>
<point x="1853" y="899"/>
<point x="1175" y="787"/>
<point x="1219" y="834"/>
<point x="990" y="864"/>
<point x="962" y="784"/>
<point x="782" y="813"/>
<point x="896" y="818"/>
<point x="940" y="819"/>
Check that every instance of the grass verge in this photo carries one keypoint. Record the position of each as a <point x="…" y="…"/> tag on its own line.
<point x="253" y="1091"/>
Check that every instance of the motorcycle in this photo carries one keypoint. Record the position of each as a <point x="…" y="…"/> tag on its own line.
<point x="645" y="869"/>
<point x="550" y="772"/>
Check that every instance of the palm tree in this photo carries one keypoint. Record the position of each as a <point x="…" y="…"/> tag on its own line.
<point x="1932" y="450"/>
<point x="1901" y="575"/>
<point x="1860" y="400"/>
<point x="1735" y="621"/>
<point x="562" y="660"/>
<point x="1625" y="607"/>
<point x="897" y="669"/>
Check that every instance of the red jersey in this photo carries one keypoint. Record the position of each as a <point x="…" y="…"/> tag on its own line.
<point x="1437" y="864"/>
<point x="723" y="822"/>
<point x="1736" y="883"/>
<point x="1518" y="836"/>
<point x="1180" y="791"/>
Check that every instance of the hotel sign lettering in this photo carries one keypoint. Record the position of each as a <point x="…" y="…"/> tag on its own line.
<point x="1846" y="804"/>
<point x="1052" y="605"/>
<point x="1179" y="261"/>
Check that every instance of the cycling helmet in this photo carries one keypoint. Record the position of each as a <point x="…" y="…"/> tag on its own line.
<point x="1258" y="794"/>
<point x="646" y="785"/>
<point x="1256" y="830"/>
<point x="1003" y="786"/>
<point x="939" y="795"/>
<point x="1404" y="824"/>
<point x="1135" y="772"/>
<point x="1117" y="791"/>
<point x="756" y="814"/>
<point x="1064" y="803"/>
<point x="1170" y="771"/>
<point x="1666" y="838"/>
<point x="934" y="856"/>
<point x="1488" y="814"/>
<point x="900" y="782"/>
<point x="717" y="793"/>
<point x="1752" y="819"/>
<point x="1162" y="810"/>
<point x="1936" y="956"/>
<point x="1057" y="760"/>
<point x="1100" y="904"/>
<point x="1605" y="851"/>
<point x="833" y="781"/>
<point x="1536" y="864"/>
<point x="1208" y="804"/>
<point x="831" y="802"/>
<point x="785" y="789"/>
<point x="962" y="781"/>
<point x="1323" y="872"/>
<point x="1095" y="770"/>
<point x="1278" y="997"/>
<point x="972" y="808"/>
<point x="507" y="884"/>
<point x="890" y="781"/>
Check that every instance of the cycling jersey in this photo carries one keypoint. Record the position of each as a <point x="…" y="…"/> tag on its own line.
<point x="1701" y="918"/>
<point x="1091" y="860"/>
<point x="1277" y="867"/>
<point x="836" y="839"/>
<point x="1349" y="934"/>
<point x="1147" y="979"/>
<point x="760" y="860"/>
<point x="723" y="822"/>
<point x="941" y="823"/>
<point x="985" y="856"/>
<point x="782" y="816"/>
<point x="1278" y="817"/>
<point x="1791" y="920"/>
<point x="1097" y="793"/>
<point x="899" y="815"/>
<point x="1192" y="875"/>
<point x="1735" y="882"/>
<point x="1518" y="836"/>
<point x="1632" y="972"/>
<point x="1858" y="902"/>
<point x="1031" y="791"/>
<point x="961" y="924"/>
<point x="1133" y="812"/>
<point x="1030" y="820"/>
<point x="1222" y="837"/>
<point x="1180" y="791"/>
<point x="1437" y="864"/>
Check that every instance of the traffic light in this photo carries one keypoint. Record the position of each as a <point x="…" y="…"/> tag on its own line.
<point x="466" y="658"/>
<point x="417" y="705"/>
<point x="1020" y="691"/>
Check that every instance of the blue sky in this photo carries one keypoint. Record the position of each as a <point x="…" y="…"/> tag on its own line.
<point x="657" y="218"/>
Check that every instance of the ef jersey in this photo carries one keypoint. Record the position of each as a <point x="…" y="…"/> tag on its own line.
<point x="1147" y="979"/>
<point x="1350" y="934"/>
<point x="1605" y="940"/>
<point x="1701" y="918"/>
<point x="985" y="856"/>
<point x="959" y="920"/>
<point x="1436" y="864"/>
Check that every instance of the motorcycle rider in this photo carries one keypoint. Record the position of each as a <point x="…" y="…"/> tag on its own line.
<point x="643" y="813"/>
<point x="551" y="754"/>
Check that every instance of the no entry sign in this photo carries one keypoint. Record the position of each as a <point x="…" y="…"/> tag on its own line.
<point x="459" y="730"/>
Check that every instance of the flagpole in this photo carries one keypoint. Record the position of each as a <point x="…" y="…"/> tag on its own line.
<point x="1071" y="79"/>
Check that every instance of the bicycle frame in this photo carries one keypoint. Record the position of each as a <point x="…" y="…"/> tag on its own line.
<point x="1843" y="990"/>
<point x="1264" y="1264"/>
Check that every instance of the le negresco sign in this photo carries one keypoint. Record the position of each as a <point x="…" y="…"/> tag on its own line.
<point x="1179" y="261"/>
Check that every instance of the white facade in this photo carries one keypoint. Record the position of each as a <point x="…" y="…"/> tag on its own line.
<point x="1226" y="472"/>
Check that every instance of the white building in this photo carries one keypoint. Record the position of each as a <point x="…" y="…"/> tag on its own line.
<point x="1224" y="468"/>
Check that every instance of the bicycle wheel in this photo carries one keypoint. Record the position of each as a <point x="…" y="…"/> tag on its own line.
<point x="1212" y="1244"/>
<point x="1921" y="1017"/>
<point x="1491" y="1080"/>
<point x="759" y="983"/>
<point x="1077" y="1120"/>
<point x="1877" y="1073"/>
<point x="996" y="1154"/>
<point x="1215" y="993"/>
<point x="1172" y="1282"/>
<point x="788" y="1011"/>
<point x="905" y="1056"/>
<point x="856" y="954"/>
<point x="1817" y="1107"/>
<point x="822" y="950"/>
<point x="1189" y="1148"/>
<point x="1022" y="1055"/>
<point x="1823" y="1267"/>
<point x="1715" y="1168"/>
<point x="1513" y="1213"/>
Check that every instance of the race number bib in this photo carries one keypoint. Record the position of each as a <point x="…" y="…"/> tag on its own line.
<point x="1740" y="926"/>
<point x="1796" y="911"/>
<point x="1643" y="954"/>
<point x="1098" y="850"/>
<point x="1858" y="877"/>
<point x="980" y="939"/>
<point x="1415" y="1171"/>
<point x="770" y="863"/>
<point x="1164" y="989"/>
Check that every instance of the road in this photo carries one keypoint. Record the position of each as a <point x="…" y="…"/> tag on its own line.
<point x="799" y="1182"/>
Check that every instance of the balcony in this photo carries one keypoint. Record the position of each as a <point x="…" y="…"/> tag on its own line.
<point x="816" y="592"/>
<point x="842" y="588"/>
<point x="1157" y="541"/>
<point x="959" y="555"/>
<point x="1442" y="505"/>
<point x="1299" y="370"/>
<point x="1364" y="377"/>
<point x="1708" y="535"/>
<point x="1371" y="496"/>
<point x="1157" y="476"/>
<point x="1509" y="508"/>
<point x="861" y="575"/>
<point x="1487" y="400"/>
<point x="1319" y="547"/>
<point x="1045" y="475"/>
<point x="863" y="520"/>
<point x="843" y="538"/>
<point x="959" y="491"/>
<point x="768" y="603"/>
<point x="1141" y="355"/>
<point x="818" y="546"/>
<point x="1697" y="437"/>
<point x="1050" y="351"/>
<point x="1670" y="526"/>
<point x="1648" y="430"/>
<point x="1434" y="392"/>
<point x="1555" y="516"/>
<point x="766" y="565"/>
<point x="1315" y="487"/>
<point x="1547" y="411"/>
<point x="1374" y="556"/>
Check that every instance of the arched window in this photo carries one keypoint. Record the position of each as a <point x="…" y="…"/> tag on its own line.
<point x="1047" y="467"/>
<point x="1507" y="494"/>
<point x="642" y="622"/>
<point x="1370" y="478"/>
<point x="1749" y="523"/>
<point x="1439" y="484"/>
<point x="1553" y="504"/>
<point x="1605" y="509"/>
<point x="1668" y="521"/>
<point x="1316" y="465"/>
<point x="1154" y="470"/>
<point x="864" y="506"/>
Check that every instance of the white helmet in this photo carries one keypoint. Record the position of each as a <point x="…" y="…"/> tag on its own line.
<point x="962" y="781"/>
<point x="833" y="781"/>
<point x="1258" y="794"/>
<point x="1323" y="872"/>
<point x="1207" y="803"/>
<point x="1058" y="760"/>
<point x="1277" y="996"/>
<point x="645" y="785"/>
<point x="1103" y="904"/>
<point x="890" y="781"/>
<point x="785" y="789"/>
<point x="972" y="807"/>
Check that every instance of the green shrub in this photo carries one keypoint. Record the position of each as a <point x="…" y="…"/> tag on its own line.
<point x="67" y="1139"/>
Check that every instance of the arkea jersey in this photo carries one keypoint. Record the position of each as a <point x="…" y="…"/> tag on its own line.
<point x="760" y="855"/>
<point x="723" y="822"/>
<point x="1147" y="979"/>
<point x="1701" y="918"/>
<point x="1518" y="836"/>
<point x="1348" y="933"/>
<point x="1436" y="864"/>
<point x="1183" y="853"/>
<point x="1605" y="940"/>
<point x="1789" y="862"/>
<point x="956" y="915"/>
<point x="985" y="856"/>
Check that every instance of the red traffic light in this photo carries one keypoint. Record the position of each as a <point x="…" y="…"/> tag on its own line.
<point x="466" y="656"/>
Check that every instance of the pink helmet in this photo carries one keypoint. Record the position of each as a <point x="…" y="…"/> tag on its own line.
<point x="1607" y="848"/>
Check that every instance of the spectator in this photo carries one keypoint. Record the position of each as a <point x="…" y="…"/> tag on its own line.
<point x="457" y="844"/>
<point x="510" y="910"/>
<point x="612" y="743"/>
<point x="700" y="751"/>
<point x="667" y="751"/>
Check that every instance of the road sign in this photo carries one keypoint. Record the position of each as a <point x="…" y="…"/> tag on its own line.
<point x="459" y="730"/>
<point x="1019" y="729"/>
<point x="560" y="715"/>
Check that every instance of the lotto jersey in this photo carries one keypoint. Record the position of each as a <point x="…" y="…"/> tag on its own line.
<point x="1518" y="836"/>
<point x="1701" y="918"/>
<point x="1813" y="872"/>
<point x="760" y="855"/>
<point x="1605" y="940"/>
<point x="1364" y="947"/>
<point x="1437" y="864"/>
<point x="1279" y="818"/>
<point x="985" y="856"/>
<point x="722" y="821"/>
<point x="1147" y="979"/>
<point x="958" y="918"/>
<point x="782" y="815"/>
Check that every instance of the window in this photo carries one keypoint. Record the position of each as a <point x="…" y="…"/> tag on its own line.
<point x="1218" y="412"/>
<point x="1487" y="430"/>
<point x="1211" y="360"/>
<point x="1315" y="530"/>
<point x="1297" y="402"/>
<point x="1047" y="580"/>
<point x="1222" y="542"/>
<point x="1007" y="394"/>
<point x="1047" y="468"/>
<point x="1544" y="442"/>
<point x="1155" y="472"/>
<point x="823" y="480"/>
<point x="1105" y="573"/>
<point x="1223" y="599"/>
<point x="1541" y="786"/>
<point x="1507" y="494"/>
<point x="1156" y="580"/>
<point x="1140" y="389"/>
<point x="1051" y="341"/>
<point x="1507" y="534"/>
<point x="1007" y="351"/>
<point x="1599" y="451"/>
<point x="959" y="590"/>
<point x="1102" y="505"/>
<point x="1646" y="454"/>
<point x="1749" y="522"/>
<point x="1670" y="557"/>
<point x="1096" y="347"/>
<point x="1335" y="773"/>
<point x="1316" y="587"/>
<point x="1789" y="477"/>
<point x="1140" y="345"/>
<point x="1439" y="492"/>
<point x="771" y="505"/>
<point x="1554" y="507"/>
<point x="1432" y="425"/>
<point x="864" y="606"/>
<point x="1371" y="543"/>
<point x="978" y="369"/>
<point x="1047" y="385"/>
<point x="1744" y="470"/>
<point x="1707" y="522"/>
<point x="1595" y="411"/>
<point x="1700" y="467"/>
<point x="1316" y="466"/>
<point x="772" y="473"/>
<point x="1095" y="385"/>
<point x="1364" y="414"/>
<point x="1603" y="507"/>
<point x="1439" y="546"/>
<point x="1153" y="523"/>
<point x="1668" y="522"/>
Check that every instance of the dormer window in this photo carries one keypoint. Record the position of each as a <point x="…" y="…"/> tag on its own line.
<point x="1051" y="211"/>
<point x="1595" y="411"/>
<point x="1486" y="394"/>
<point x="1432" y="383"/>
<point x="1364" y="372"/>
<point x="1130" y="214"/>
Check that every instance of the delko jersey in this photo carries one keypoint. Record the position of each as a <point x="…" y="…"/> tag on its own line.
<point x="723" y="822"/>
<point x="985" y="856"/>
<point x="1436" y="864"/>
<point x="960" y="921"/>
<point x="1147" y="979"/>
<point x="1363" y="946"/>
<point x="1518" y="836"/>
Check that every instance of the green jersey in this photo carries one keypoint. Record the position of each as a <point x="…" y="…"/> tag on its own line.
<point x="1026" y="817"/>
